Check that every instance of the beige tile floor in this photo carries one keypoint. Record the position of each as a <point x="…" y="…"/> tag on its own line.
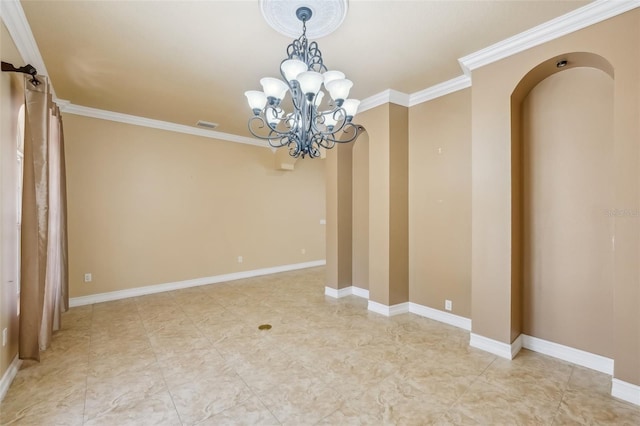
<point x="196" y="356"/>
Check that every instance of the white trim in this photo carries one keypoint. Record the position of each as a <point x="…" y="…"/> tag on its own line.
<point x="413" y="99"/>
<point x="566" y="353"/>
<point x="575" y="20"/>
<point x="437" y="315"/>
<point x="388" y="311"/>
<point x="398" y="98"/>
<point x="442" y="89"/>
<point x="337" y="293"/>
<point x="360" y="292"/>
<point x="384" y="97"/>
<point x="8" y="376"/>
<point x="503" y="350"/>
<point x="347" y="291"/>
<point x="16" y="22"/>
<point x="625" y="391"/>
<point x="159" y="288"/>
<point x="516" y="346"/>
<point x="14" y="18"/>
<point x="69" y="108"/>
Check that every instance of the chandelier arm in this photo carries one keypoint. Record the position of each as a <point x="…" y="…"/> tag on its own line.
<point x="279" y="142"/>
<point x="346" y="129"/>
<point x="262" y="123"/>
<point x="320" y="120"/>
<point x="306" y="127"/>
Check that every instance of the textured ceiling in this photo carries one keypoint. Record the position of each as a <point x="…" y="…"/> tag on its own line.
<point x="184" y="61"/>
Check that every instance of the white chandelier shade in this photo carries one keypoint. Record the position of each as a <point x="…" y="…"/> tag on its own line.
<point x="291" y="68"/>
<point x="308" y="128"/>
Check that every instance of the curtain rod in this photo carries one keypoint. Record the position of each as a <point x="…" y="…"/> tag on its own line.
<point x="27" y="69"/>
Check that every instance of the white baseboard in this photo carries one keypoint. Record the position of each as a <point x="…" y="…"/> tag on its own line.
<point x="503" y="350"/>
<point x="566" y="353"/>
<point x="445" y="317"/>
<point x="347" y="291"/>
<point x="337" y="293"/>
<point x="625" y="391"/>
<point x="159" y="288"/>
<point x="8" y="376"/>
<point x="360" y="292"/>
<point x="516" y="346"/>
<point x="388" y="311"/>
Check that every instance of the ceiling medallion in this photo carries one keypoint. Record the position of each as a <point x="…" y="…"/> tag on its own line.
<point x="312" y="124"/>
<point x="328" y="15"/>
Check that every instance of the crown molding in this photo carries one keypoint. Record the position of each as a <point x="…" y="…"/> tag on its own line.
<point x="14" y="18"/>
<point x="413" y="99"/>
<point x="388" y="96"/>
<point x="16" y="22"/>
<point x="69" y="108"/>
<point x="442" y="89"/>
<point x="578" y="19"/>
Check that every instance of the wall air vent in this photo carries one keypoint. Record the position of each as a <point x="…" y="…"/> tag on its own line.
<point x="206" y="124"/>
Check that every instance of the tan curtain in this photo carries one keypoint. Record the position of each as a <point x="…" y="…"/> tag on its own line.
<point x="44" y="283"/>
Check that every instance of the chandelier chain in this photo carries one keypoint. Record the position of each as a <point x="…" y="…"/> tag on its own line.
<point x="307" y="129"/>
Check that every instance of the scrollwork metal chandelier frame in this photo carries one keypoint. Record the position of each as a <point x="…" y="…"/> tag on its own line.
<point x="308" y="128"/>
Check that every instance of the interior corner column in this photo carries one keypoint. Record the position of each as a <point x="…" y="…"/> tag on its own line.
<point x="339" y="216"/>
<point x="388" y="205"/>
<point x="492" y="221"/>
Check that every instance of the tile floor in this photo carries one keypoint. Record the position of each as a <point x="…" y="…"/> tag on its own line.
<point x="196" y="356"/>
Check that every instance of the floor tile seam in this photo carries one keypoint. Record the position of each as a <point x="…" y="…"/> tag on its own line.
<point x="564" y="392"/>
<point x="468" y="388"/>
<point x="86" y="378"/>
<point x="136" y="398"/>
<point x="256" y="395"/>
<point x="205" y="335"/>
<point x="164" y="379"/>
<point x="519" y="398"/>
<point x="214" y="348"/>
<point x="328" y="415"/>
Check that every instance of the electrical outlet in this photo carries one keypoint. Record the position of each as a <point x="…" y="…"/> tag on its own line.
<point x="4" y="337"/>
<point x="303" y="251"/>
<point x="448" y="305"/>
<point x="240" y="260"/>
<point x="88" y="277"/>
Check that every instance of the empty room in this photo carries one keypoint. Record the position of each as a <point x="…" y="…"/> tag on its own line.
<point x="320" y="212"/>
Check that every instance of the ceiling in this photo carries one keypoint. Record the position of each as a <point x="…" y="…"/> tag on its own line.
<point x="184" y="61"/>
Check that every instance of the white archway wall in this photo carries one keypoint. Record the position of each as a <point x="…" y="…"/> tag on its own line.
<point x="494" y="301"/>
<point x="567" y="134"/>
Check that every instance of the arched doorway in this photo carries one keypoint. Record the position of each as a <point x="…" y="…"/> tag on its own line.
<point x="563" y="188"/>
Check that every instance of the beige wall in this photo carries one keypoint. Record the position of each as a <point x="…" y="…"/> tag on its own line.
<point x="360" y="211"/>
<point x="568" y="259"/>
<point x="398" y="204"/>
<point x="339" y="216"/>
<point x="387" y="139"/>
<point x="618" y="41"/>
<point x="440" y="202"/>
<point x="11" y="98"/>
<point x="376" y="123"/>
<point x="148" y="207"/>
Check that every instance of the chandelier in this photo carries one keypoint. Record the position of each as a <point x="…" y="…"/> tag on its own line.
<point x="308" y="127"/>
